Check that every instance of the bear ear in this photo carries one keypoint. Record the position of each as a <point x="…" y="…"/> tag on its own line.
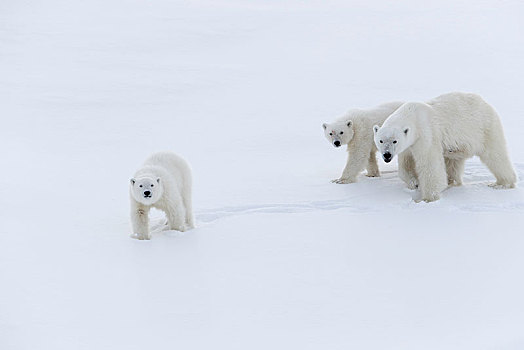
<point x="349" y="123"/>
<point x="132" y="181"/>
<point x="406" y="131"/>
<point x="157" y="180"/>
<point x="375" y="128"/>
<point x="324" y="126"/>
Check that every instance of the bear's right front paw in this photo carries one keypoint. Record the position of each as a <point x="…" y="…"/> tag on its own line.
<point x="344" y="181"/>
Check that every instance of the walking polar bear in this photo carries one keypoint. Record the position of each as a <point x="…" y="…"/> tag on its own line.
<point x="163" y="182"/>
<point x="354" y="129"/>
<point x="434" y="139"/>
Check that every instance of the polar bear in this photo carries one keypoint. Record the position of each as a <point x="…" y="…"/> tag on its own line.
<point x="163" y="182"/>
<point x="434" y="139"/>
<point x="354" y="129"/>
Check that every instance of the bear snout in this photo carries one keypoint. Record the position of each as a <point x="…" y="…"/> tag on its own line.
<point x="337" y="143"/>
<point x="387" y="157"/>
<point x="147" y="193"/>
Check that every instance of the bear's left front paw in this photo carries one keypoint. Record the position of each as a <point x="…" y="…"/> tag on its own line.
<point x="373" y="174"/>
<point x="344" y="181"/>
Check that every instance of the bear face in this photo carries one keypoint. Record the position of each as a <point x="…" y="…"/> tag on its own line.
<point x="391" y="141"/>
<point x="339" y="133"/>
<point x="146" y="190"/>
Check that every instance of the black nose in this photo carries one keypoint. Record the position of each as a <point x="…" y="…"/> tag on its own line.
<point x="147" y="193"/>
<point x="387" y="157"/>
<point x="336" y="143"/>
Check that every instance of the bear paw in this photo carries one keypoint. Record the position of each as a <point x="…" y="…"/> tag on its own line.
<point x="181" y="228"/>
<point x="344" y="181"/>
<point x="373" y="174"/>
<point x="140" y="236"/>
<point x="498" y="186"/>
<point x="429" y="198"/>
<point x="454" y="183"/>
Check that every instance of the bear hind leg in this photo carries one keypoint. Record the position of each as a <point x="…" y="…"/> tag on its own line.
<point x="496" y="158"/>
<point x="455" y="169"/>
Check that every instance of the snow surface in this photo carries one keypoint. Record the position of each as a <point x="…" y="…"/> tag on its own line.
<point x="282" y="258"/>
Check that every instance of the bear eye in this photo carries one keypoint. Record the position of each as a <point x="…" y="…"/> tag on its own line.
<point x="381" y="141"/>
<point x="152" y="185"/>
<point x="140" y="186"/>
<point x="331" y="133"/>
<point x="341" y="132"/>
<point x="395" y="141"/>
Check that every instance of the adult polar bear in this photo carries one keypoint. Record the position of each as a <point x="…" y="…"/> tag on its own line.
<point x="354" y="129"/>
<point x="434" y="139"/>
<point x="163" y="182"/>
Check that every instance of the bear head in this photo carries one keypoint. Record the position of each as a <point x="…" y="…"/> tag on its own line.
<point x="339" y="133"/>
<point x="391" y="141"/>
<point x="146" y="190"/>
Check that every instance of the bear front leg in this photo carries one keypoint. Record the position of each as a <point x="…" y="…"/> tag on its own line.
<point x="356" y="162"/>
<point x="406" y="170"/>
<point x="140" y="221"/>
<point x="372" y="168"/>
<point x="432" y="177"/>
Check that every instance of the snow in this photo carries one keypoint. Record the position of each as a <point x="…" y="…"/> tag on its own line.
<point x="281" y="258"/>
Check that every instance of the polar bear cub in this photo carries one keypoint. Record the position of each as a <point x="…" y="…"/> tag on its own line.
<point x="163" y="182"/>
<point x="354" y="129"/>
<point x="434" y="139"/>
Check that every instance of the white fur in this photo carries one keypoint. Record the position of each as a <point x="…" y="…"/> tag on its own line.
<point x="434" y="139"/>
<point x="354" y="129"/>
<point x="168" y="179"/>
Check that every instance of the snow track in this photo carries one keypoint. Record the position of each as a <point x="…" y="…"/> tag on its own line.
<point x="481" y="198"/>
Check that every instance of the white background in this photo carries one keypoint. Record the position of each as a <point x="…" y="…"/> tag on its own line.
<point x="281" y="258"/>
